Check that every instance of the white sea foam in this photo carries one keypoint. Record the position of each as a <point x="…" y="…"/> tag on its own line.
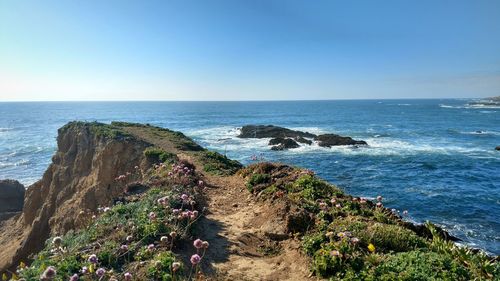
<point x="225" y="138"/>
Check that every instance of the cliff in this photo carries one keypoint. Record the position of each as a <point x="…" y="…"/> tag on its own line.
<point x="81" y="177"/>
<point x="136" y="202"/>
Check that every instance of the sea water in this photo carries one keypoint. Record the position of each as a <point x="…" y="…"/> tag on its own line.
<point x="434" y="158"/>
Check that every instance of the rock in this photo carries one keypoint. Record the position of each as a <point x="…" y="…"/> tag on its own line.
<point x="11" y="198"/>
<point x="303" y="140"/>
<point x="271" y="131"/>
<point x="497" y="148"/>
<point x="283" y="143"/>
<point x="329" y="140"/>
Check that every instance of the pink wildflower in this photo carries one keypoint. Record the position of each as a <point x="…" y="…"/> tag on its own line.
<point x="127" y="276"/>
<point x="100" y="272"/>
<point x="49" y="273"/>
<point x="198" y="243"/>
<point x="195" y="259"/>
<point x="74" y="277"/>
<point x="93" y="259"/>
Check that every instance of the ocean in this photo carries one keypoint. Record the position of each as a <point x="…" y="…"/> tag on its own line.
<point x="434" y="158"/>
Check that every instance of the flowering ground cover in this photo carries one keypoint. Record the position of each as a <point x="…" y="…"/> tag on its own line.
<point x="137" y="238"/>
<point x="352" y="238"/>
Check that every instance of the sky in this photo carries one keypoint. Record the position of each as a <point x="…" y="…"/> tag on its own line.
<point x="248" y="50"/>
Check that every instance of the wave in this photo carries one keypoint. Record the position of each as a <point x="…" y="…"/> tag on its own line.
<point x="472" y="106"/>
<point x="225" y="138"/>
<point x="5" y="129"/>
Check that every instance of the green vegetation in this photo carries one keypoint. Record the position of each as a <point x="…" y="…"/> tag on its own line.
<point x="98" y="129"/>
<point x="256" y="179"/>
<point x="139" y="235"/>
<point x="158" y="155"/>
<point x="356" y="239"/>
<point x="218" y="164"/>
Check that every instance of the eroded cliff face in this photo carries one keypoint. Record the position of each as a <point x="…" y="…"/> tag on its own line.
<point x="90" y="156"/>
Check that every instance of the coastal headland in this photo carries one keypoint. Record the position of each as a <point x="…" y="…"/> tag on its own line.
<point x="132" y="201"/>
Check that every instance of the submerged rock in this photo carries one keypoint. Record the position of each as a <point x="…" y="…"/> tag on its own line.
<point x="497" y="148"/>
<point x="271" y="131"/>
<point x="329" y="140"/>
<point x="11" y="198"/>
<point x="283" y="143"/>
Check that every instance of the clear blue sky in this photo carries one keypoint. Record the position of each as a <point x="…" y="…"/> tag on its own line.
<point x="248" y="50"/>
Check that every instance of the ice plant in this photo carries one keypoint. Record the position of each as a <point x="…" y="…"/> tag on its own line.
<point x="205" y="245"/>
<point x="195" y="259"/>
<point x="379" y="198"/>
<point x="127" y="276"/>
<point x="379" y="204"/>
<point x="84" y="270"/>
<point x="151" y="247"/>
<point x="124" y="248"/>
<point x="405" y="212"/>
<point x="184" y="197"/>
<point x="74" y="277"/>
<point x="129" y="238"/>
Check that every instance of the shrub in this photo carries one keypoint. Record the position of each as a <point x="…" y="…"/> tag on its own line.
<point x="157" y="155"/>
<point x="216" y="163"/>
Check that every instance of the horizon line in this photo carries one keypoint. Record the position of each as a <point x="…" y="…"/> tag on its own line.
<point x="283" y="100"/>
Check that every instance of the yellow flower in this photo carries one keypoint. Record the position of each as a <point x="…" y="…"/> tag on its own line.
<point x="371" y="248"/>
<point x="22" y="265"/>
<point x="4" y="277"/>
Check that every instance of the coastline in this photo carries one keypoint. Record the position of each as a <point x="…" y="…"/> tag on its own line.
<point x="269" y="183"/>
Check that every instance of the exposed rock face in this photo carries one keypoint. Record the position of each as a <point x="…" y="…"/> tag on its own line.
<point x="270" y="131"/>
<point x="283" y="138"/>
<point x="283" y="143"/>
<point x="81" y="177"/>
<point x="329" y="140"/>
<point x="11" y="198"/>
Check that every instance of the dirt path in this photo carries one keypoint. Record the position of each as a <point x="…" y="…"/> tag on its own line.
<point x="239" y="249"/>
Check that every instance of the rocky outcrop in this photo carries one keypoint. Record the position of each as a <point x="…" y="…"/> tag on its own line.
<point x="11" y="198"/>
<point x="82" y="176"/>
<point x="329" y="140"/>
<point x="283" y="143"/>
<point x="271" y="131"/>
<point x="497" y="148"/>
<point x="283" y="138"/>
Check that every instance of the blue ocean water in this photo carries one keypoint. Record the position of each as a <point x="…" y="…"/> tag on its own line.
<point x="434" y="158"/>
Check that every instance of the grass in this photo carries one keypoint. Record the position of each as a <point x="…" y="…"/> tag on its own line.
<point x="354" y="239"/>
